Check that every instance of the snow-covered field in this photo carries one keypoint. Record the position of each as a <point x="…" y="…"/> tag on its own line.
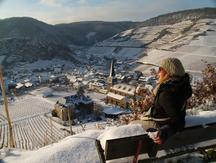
<point x="29" y="124"/>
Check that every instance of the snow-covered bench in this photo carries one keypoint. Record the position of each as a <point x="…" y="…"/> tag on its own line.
<point x="191" y="139"/>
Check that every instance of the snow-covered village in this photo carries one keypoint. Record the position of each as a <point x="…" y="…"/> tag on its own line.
<point x="77" y="104"/>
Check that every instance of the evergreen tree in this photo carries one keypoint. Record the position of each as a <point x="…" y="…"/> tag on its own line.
<point x="54" y="114"/>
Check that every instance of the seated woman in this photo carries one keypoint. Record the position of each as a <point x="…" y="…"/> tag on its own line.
<point x="167" y="115"/>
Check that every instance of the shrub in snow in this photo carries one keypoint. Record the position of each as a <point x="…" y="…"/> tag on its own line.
<point x="54" y="114"/>
<point x="5" y="152"/>
<point x="209" y="155"/>
<point x="83" y="126"/>
<point x="204" y="91"/>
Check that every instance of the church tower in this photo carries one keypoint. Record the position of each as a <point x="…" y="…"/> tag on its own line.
<point x="111" y="80"/>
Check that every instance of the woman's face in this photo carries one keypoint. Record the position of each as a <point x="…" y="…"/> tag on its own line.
<point x="161" y="73"/>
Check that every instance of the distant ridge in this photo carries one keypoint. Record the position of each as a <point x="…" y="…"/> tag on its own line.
<point x="76" y="34"/>
<point x="175" y="17"/>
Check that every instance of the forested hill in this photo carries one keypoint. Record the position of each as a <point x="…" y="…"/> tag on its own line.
<point x="176" y="17"/>
<point x="24" y="39"/>
<point x="75" y="34"/>
<point x="88" y="33"/>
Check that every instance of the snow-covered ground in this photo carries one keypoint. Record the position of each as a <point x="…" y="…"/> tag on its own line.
<point x="80" y="147"/>
<point x="29" y="115"/>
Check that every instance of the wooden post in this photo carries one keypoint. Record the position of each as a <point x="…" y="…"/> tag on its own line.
<point x="70" y="122"/>
<point x="51" y="129"/>
<point x="6" y="109"/>
<point x="137" y="151"/>
<point x="46" y="139"/>
<point x="100" y="151"/>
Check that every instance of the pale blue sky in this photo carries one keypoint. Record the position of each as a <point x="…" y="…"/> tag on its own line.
<point x="67" y="11"/>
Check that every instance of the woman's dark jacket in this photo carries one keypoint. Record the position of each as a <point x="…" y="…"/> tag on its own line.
<point x="170" y="101"/>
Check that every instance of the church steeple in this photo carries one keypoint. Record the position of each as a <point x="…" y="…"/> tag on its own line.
<point x="111" y="80"/>
<point x="112" y="72"/>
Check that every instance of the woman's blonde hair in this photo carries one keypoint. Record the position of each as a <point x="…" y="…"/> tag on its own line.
<point x="166" y="77"/>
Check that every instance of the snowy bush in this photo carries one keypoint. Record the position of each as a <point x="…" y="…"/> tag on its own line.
<point x="4" y="152"/>
<point x="204" y="91"/>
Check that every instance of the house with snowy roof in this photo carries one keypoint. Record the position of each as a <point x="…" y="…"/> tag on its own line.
<point x="20" y="81"/>
<point x="71" y="78"/>
<point x="77" y="85"/>
<point x="96" y="85"/>
<point x="44" y="77"/>
<point x="47" y="94"/>
<point x="133" y="82"/>
<point x="65" y="67"/>
<point x="54" y="79"/>
<point x="121" y="94"/>
<point x="121" y="77"/>
<point x="85" y="84"/>
<point x="19" y="85"/>
<point x="77" y="105"/>
<point x="57" y="68"/>
<point x="28" y="84"/>
<point x="8" y="84"/>
<point x="89" y="76"/>
<point x="1" y="99"/>
<point x="47" y="69"/>
<point x="34" y="79"/>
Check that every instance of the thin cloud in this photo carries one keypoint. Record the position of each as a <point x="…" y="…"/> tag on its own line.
<point x="127" y="11"/>
<point x="82" y="1"/>
<point x="51" y="3"/>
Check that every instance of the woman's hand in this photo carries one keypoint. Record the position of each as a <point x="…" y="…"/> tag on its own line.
<point x="157" y="139"/>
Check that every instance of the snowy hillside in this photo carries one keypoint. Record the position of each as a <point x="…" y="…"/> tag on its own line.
<point x="17" y="50"/>
<point x="190" y="41"/>
<point x="190" y="49"/>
